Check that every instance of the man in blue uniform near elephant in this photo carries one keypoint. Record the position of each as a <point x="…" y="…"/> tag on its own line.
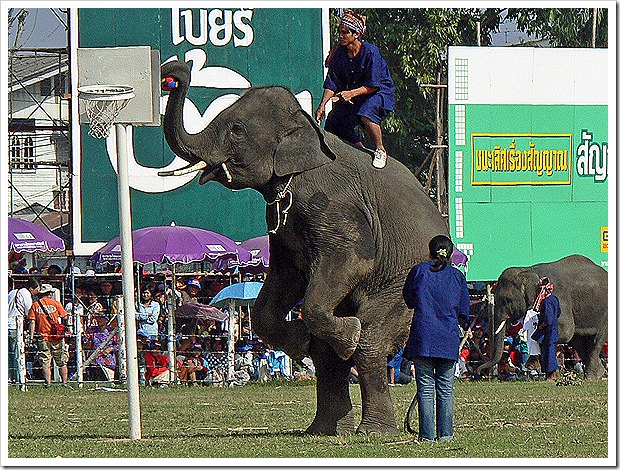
<point x="547" y="333"/>
<point x="359" y="79"/>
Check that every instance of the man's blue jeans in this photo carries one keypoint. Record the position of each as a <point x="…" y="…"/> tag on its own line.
<point x="435" y="377"/>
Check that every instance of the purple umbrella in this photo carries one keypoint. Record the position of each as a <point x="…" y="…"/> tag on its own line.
<point x="174" y="244"/>
<point x="259" y="262"/>
<point x="459" y="258"/>
<point x="29" y="237"/>
<point x="259" y="248"/>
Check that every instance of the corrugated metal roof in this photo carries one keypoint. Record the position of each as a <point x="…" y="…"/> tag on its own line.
<point x="27" y="69"/>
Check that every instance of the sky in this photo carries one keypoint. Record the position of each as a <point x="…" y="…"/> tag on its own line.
<point x="41" y="29"/>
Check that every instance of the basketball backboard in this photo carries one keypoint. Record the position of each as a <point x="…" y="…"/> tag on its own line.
<point x="135" y="66"/>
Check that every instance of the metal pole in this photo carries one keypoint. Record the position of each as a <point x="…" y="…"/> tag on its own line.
<point x="77" y="326"/>
<point x="594" y="21"/>
<point x="170" y="300"/>
<point x="124" y="209"/>
<point x="21" y="353"/>
<point x="77" y="330"/>
<point x="122" y="351"/>
<point x="250" y="321"/>
<point x="231" y="341"/>
<point x="491" y="298"/>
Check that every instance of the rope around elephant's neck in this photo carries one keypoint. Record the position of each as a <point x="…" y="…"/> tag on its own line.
<point x="282" y="215"/>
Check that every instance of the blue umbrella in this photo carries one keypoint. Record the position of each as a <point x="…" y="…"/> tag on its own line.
<point x="243" y="293"/>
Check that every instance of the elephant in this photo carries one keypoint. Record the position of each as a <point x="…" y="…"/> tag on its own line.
<point x="342" y="238"/>
<point x="581" y="287"/>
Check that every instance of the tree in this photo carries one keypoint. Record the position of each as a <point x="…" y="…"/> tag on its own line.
<point x="563" y="27"/>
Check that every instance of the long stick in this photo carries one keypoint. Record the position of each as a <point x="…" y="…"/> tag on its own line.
<point x="96" y="352"/>
<point x="466" y="337"/>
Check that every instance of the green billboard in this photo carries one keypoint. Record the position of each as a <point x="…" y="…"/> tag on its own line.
<point x="228" y="50"/>
<point x="528" y="156"/>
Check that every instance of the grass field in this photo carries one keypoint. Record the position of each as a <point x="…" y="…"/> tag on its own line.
<point x="492" y="420"/>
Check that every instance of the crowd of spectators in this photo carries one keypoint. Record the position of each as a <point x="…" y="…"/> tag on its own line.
<point x="201" y="345"/>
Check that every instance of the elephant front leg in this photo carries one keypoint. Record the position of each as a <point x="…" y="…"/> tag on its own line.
<point x="377" y="408"/>
<point x="334" y="415"/>
<point x="282" y="290"/>
<point x="589" y="349"/>
<point x="328" y="287"/>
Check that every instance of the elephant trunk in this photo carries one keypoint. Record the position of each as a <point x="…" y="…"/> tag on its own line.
<point x="179" y="141"/>
<point x="498" y="347"/>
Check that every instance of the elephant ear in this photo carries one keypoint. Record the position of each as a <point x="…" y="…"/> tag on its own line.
<point x="301" y="147"/>
<point x="528" y="282"/>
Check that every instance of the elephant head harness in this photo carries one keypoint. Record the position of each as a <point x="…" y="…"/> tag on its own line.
<point x="282" y="214"/>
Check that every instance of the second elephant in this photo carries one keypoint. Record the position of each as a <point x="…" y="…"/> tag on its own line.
<point x="581" y="287"/>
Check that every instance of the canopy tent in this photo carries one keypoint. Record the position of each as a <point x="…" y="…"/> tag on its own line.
<point x="459" y="258"/>
<point x="176" y="244"/>
<point x="259" y="249"/>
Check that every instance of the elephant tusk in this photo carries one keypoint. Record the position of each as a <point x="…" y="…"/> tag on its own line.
<point x="228" y="175"/>
<point x="501" y="325"/>
<point x="185" y="170"/>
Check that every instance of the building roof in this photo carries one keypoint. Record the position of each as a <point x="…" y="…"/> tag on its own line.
<point x="27" y="69"/>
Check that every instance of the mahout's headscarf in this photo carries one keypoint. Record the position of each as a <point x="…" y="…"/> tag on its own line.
<point x="354" y="21"/>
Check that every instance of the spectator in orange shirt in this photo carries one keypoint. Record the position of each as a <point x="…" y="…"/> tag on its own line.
<point x="43" y="312"/>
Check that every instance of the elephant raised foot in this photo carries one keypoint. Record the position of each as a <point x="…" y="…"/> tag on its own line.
<point x="346" y="337"/>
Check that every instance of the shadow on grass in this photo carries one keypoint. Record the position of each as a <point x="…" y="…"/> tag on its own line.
<point x="241" y="432"/>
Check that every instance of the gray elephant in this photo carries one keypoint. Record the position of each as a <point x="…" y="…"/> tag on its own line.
<point x="342" y="239"/>
<point x="581" y="287"/>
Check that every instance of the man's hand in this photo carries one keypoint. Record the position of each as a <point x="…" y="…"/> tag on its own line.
<point x="320" y="113"/>
<point x="346" y="95"/>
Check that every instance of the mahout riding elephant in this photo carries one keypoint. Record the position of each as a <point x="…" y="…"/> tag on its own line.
<point x="342" y="238"/>
<point x="581" y="287"/>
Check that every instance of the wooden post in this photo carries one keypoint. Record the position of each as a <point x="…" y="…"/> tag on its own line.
<point x="594" y="21"/>
<point x="437" y="161"/>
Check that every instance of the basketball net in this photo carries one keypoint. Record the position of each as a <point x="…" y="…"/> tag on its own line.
<point x="102" y="107"/>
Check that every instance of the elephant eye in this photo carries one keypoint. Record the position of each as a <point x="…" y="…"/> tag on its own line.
<point x="237" y="131"/>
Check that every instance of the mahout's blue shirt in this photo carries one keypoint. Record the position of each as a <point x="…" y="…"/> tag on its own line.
<point x="367" y="68"/>
<point x="550" y="312"/>
<point x="438" y="298"/>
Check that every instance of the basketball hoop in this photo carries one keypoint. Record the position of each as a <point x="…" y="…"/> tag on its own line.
<point x="103" y="103"/>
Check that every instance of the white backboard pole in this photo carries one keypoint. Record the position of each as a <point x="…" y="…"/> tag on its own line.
<point x="124" y="209"/>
